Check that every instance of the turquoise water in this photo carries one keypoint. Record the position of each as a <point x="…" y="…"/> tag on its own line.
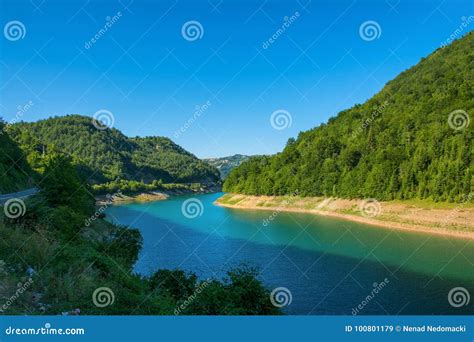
<point x="330" y="266"/>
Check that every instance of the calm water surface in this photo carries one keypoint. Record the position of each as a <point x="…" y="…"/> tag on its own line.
<point x="329" y="265"/>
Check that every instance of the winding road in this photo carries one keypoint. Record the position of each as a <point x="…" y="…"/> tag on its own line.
<point x="20" y="194"/>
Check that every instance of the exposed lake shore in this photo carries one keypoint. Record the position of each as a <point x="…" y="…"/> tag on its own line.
<point x="449" y="219"/>
<point x="150" y="196"/>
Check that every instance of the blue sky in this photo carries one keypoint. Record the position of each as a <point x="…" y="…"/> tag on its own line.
<point x="151" y="78"/>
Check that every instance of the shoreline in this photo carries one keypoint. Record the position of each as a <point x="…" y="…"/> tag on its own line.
<point x="338" y="208"/>
<point x="148" y="196"/>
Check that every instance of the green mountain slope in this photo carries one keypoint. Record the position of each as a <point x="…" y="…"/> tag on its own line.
<point x="108" y="154"/>
<point x="56" y="248"/>
<point x="15" y="174"/>
<point x="397" y="145"/>
<point x="227" y="164"/>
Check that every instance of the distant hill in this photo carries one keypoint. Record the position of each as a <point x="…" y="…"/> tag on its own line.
<point x="413" y="139"/>
<point x="227" y="164"/>
<point x="108" y="154"/>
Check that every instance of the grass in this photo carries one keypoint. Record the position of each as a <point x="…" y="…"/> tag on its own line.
<point x="430" y="204"/>
<point x="229" y="199"/>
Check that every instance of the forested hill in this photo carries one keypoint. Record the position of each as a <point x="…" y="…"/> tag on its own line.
<point x="57" y="249"/>
<point x="15" y="173"/>
<point x="105" y="155"/>
<point x="411" y="140"/>
<point x="227" y="164"/>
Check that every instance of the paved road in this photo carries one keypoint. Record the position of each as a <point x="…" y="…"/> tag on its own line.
<point x="19" y="194"/>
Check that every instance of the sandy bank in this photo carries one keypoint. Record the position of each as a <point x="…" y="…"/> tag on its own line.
<point x="444" y="219"/>
<point x="149" y="196"/>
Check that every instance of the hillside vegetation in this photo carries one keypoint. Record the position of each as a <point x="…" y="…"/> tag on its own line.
<point x="397" y="145"/>
<point x="56" y="251"/>
<point x="105" y="155"/>
<point x="15" y="173"/>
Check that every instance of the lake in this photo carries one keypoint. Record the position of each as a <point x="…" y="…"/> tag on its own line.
<point x="329" y="266"/>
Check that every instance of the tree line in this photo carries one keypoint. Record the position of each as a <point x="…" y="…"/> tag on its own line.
<point x="413" y="139"/>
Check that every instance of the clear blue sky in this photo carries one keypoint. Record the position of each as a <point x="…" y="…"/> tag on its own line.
<point x="151" y="78"/>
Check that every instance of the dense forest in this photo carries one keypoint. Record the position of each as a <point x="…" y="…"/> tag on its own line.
<point x="411" y="140"/>
<point x="107" y="155"/>
<point x="14" y="170"/>
<point x="52" y="262"/>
